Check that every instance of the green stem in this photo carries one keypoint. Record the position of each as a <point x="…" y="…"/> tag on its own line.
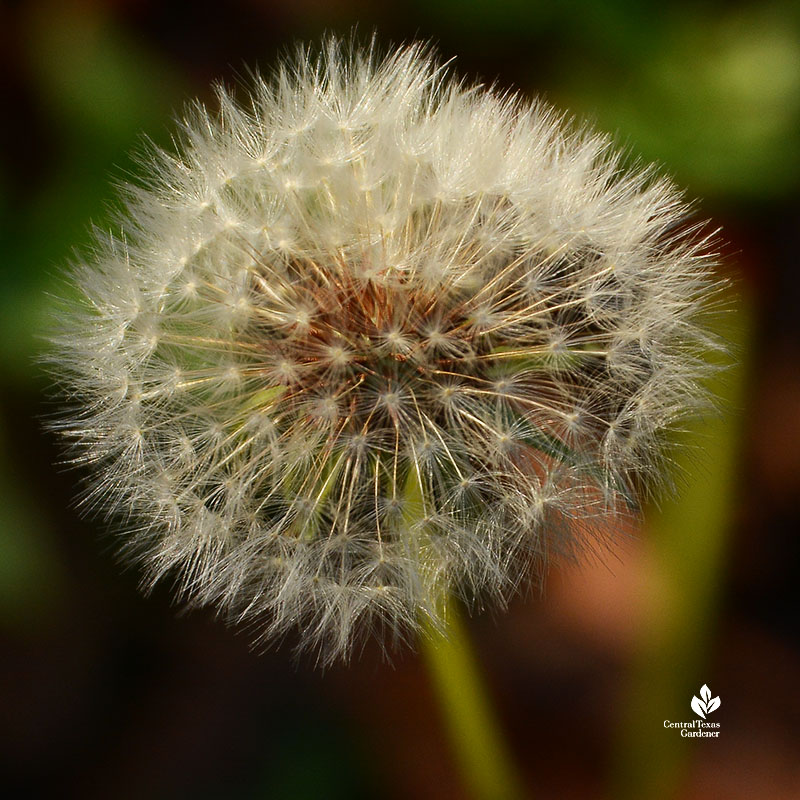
<point x="474" y="734"/>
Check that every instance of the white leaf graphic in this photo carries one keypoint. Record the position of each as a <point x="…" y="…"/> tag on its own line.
<point x="699" y="707"/>
<point x="713" y="705"/>
<point x="705" y="693"/>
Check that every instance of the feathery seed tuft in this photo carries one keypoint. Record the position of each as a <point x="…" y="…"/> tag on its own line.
<point x="374" y="337"/>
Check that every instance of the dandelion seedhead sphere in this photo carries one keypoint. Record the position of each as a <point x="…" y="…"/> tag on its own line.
<point x="374" y="337"/>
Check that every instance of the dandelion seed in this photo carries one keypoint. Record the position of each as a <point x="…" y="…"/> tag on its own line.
<point x="376" y="336"/>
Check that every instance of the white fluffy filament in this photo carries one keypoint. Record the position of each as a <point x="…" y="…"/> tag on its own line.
<point x="376" y="336"/>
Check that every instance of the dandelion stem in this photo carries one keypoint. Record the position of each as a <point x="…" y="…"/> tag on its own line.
<point x="475" y="737"/>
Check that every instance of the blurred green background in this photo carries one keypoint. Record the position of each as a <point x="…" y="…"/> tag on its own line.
<point x="108" y="694"/>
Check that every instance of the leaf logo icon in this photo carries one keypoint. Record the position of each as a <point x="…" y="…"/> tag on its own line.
<point x="707" y="704"/>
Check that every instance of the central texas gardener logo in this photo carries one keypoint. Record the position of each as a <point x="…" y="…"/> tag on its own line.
<point x="699" y="728"/>
<point x="707" y="704"/>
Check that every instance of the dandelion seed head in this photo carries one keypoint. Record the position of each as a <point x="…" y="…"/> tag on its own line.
<point x="375" y="335"/>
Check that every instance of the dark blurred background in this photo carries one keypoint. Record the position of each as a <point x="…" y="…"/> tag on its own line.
<point x="107" y="694"/>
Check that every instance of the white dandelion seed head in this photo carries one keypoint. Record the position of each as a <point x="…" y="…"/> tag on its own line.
<point x="374" y="336"/>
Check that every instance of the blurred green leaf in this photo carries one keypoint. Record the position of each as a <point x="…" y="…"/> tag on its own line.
<point x="716" y="99"/>
<point x="30" y="574"/>
<point x="98" y="90"/>
<point x="687" y="551"/>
